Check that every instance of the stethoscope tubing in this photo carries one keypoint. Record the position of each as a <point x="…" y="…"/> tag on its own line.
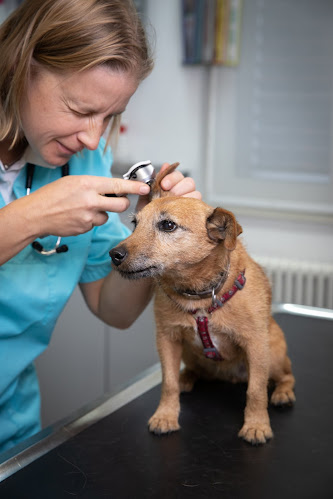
<point x="36" y="245"/>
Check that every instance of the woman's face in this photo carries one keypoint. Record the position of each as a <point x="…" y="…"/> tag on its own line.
<point x="62" y="114"/>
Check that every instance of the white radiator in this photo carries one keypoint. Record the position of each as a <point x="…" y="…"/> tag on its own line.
<point x="303" y="283"/>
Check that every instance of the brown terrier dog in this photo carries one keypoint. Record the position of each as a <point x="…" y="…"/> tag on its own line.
<point x="212" y="307"/>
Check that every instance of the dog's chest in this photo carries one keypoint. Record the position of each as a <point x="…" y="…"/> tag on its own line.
<point x="220" y="336"/>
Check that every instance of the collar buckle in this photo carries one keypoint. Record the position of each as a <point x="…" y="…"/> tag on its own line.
<point x="216" y="303"/>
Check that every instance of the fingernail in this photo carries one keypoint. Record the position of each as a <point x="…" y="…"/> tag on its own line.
<point x="144" y="189"/>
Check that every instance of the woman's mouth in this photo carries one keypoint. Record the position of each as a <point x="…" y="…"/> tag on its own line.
<point x="66" y="150"/>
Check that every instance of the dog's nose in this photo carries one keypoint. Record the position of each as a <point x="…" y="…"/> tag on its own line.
<point x="118" y="254"/>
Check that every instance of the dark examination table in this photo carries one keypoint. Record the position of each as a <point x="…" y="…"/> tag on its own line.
<point x="109" y="453"/>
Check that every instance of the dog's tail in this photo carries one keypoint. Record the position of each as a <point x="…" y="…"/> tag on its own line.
<point x="156" y="191"/>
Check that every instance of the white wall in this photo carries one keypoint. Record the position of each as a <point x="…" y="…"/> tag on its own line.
<point x="164" y="116"/>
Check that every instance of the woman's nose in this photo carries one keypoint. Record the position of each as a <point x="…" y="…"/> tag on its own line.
<point x="90" y="136"/>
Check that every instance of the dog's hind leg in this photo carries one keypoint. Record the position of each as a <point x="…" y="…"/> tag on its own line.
<point x="283" y="393"/>
<point x="187" y="380"/>
<point x="280" y="368"/>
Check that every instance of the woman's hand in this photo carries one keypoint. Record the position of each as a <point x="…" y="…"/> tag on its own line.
<point x="75" y="204"/>
<point x="176" y="183"/>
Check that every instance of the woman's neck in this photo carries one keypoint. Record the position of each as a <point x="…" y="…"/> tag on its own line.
<point x="9" y="156"/>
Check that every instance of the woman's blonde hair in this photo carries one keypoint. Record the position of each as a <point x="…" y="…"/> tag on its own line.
<point x="66" y="35"/>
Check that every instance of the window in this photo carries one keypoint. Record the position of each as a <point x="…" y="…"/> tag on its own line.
<point x="270" y="120"/>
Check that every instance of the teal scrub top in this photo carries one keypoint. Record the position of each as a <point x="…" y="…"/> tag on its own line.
<point x="33" y="292"/>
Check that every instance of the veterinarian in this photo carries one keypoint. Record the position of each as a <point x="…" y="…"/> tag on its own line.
<point x="68" y="69"/>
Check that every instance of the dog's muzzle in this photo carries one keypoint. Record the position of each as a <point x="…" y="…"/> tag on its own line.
<point x="118" y="255"/>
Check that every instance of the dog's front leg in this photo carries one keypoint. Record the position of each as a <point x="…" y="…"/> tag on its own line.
<point x="257" y="428"/>
<point x="166" y="416"/>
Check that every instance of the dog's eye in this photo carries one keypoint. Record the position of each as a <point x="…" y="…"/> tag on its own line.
<point x="167" y="226"/>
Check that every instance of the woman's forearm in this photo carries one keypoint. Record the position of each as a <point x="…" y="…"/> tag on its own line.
<point x="18" y="228"/>
<point x="122" y="300"/>
<point x="117" y="301"/>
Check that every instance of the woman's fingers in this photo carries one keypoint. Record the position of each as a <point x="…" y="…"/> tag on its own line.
<point x="121" y="187"/>
<point x="179" y="185"/>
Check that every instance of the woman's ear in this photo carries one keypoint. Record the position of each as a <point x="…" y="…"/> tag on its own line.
<point x="222" y="226"/>
<point x="156" y="190"/>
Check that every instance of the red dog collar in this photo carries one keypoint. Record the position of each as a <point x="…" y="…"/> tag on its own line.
<point x="210" y="350"/>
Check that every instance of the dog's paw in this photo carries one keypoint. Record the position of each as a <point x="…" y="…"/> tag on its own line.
<point x="283" y="398"/>
<point x="187" y="379"/>
<point x="256" y="434"/>
<point x="161" y="423"/>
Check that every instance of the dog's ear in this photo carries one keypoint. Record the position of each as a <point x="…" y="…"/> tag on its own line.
<point x="156" y="190"/>
<point x="222" y="226"/>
